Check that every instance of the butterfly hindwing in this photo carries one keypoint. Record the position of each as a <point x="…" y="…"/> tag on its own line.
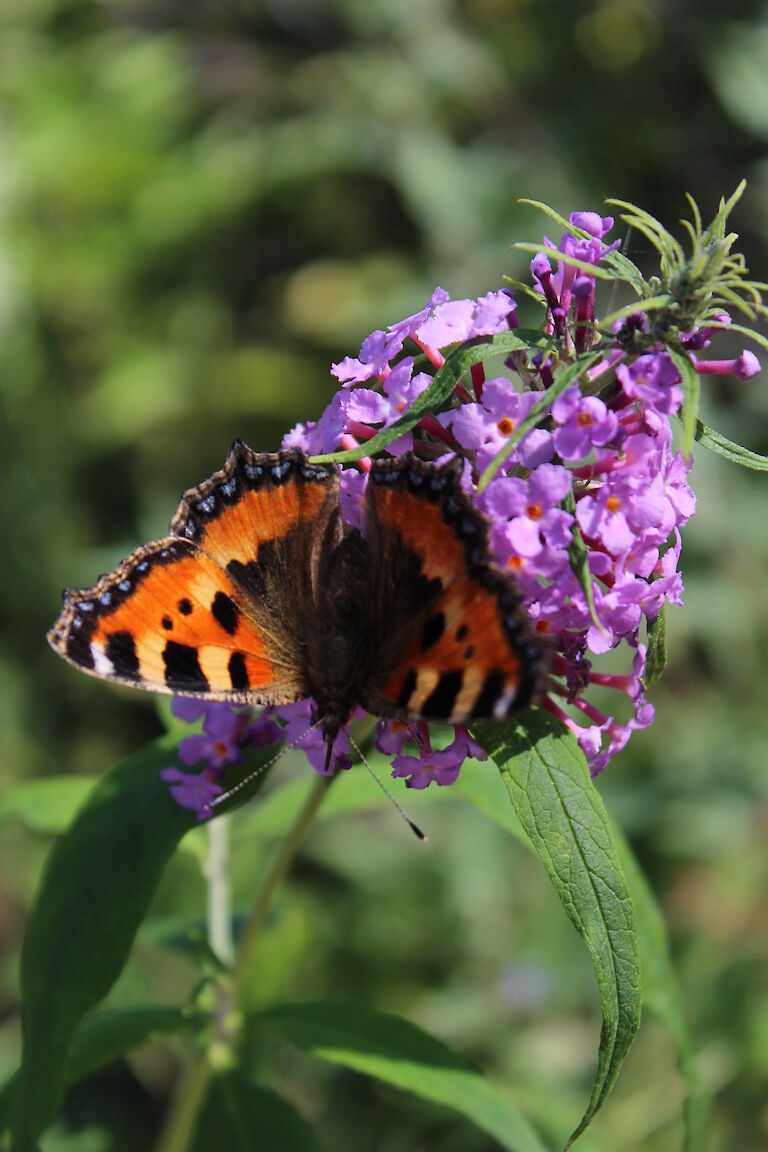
<point x="458" y="645"/>
<point x="217" y="608"/>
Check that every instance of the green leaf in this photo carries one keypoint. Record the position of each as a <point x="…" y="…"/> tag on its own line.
<point x="563" y="258"/>
<point x="695" y="213"/>
<point x="102" y="1039"/>
<point x="242" y="1116"/>
<point x="579" y="561"/>
<point x="758" y="337"/>
<point x="627" y="271"/>
<point x="537" y="413"/>
<point x="548" y="781"/>
<point x="649" y="304"/>
<point x="553" y="215"/>
<point x="398" y="1053"/>
<point x="661" y="992"/>
<point x="521" y="288"/>
<point x="691" y="385"/>
<point x="46" y="805"/>
<point x="716" y="229"/>
<point x="734" y="452"/>
<point x="96" y="887"/>
<point x="441" y="388"/>
<point x="655" y="231"/>
<point x="656" y="656"/>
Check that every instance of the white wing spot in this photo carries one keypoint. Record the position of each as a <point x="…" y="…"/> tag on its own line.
<point x="503" y="704"/>
<point x="101" y="662"/>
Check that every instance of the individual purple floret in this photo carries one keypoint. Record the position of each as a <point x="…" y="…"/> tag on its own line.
<point x="190" y="790"/>
<point x="220" y="741"/>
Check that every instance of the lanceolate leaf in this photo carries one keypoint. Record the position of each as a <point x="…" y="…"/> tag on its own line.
<point x="656" y="656"/>
<point x="96" y="887"/>
<point x="398" y="1053"/>
<point x="579" y="560"/>
<point x="95" y="890"/>
<point x="553" y="215"/>
<point x="442" y="386"/>
<point x="240" y="1116"/>
<point x="107" y="1037"/>
<point x="548" y="781"/>
<point x="691" y="385"/>
<point x="103" y="1039"/>
<point x="733" y="452"/>
<point x="563" y="258"/>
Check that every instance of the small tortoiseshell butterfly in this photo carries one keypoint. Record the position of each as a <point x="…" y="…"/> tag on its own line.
<point x="261" y="595"/>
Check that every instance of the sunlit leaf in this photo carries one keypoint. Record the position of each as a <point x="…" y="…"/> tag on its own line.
<point x="691" y="385"/>
<point x="561" y="811"/>
<point x="736" y="453"/>
<point x="656" y="655"/>
<point x="442" y="387"/>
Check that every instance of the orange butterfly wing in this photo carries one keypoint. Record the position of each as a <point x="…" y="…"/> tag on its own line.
<point x="459" y="645"/>
<point x="202" y="612"/>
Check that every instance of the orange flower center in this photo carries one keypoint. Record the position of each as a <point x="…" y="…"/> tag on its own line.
<point x="584" y="419"/>
<point x="506" y="426"/>
<point x="220" y="747"/>
<point x="534" y="511"/>
<point x="515" y="563"/>
<point x="613" y="503"/>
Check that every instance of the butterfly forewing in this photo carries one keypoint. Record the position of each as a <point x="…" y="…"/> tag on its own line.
<point x="218" y="609"/>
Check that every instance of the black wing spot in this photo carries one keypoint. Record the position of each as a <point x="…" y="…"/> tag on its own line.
<point x="79" y="648"/>
<point x="491" y="693"/>
<point x="433" y="630"/>
<point x="182" y="668"/>
<point x="225" y="612"/>
<point x="420" y="591"/>
<point x="469" y="652"/>
<point x="185" y="606"/>
<point x="249" y="576"/>
<point x="439" y="704"/>
<point x="167" y="623"/>
<point x="120" y="649"/>
<point x="238" y="673"/>
<point x="407" y="690"/>
<point x="462" y="632"/>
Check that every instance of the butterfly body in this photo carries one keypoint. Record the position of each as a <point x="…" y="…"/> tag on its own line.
<point x="261" y="594"/>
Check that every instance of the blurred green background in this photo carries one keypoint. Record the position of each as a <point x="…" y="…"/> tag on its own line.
<point x="201" y="206"/>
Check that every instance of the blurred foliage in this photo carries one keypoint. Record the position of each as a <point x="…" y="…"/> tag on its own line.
<point x="201" y="206"/>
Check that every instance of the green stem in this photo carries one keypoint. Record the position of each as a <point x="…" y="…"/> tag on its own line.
<point x="277" y="873"/>
<point x="219" y="895"/>
<point x="182" y="1119"/>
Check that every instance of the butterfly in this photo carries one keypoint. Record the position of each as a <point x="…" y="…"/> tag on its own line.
<point x="260" y="594"/>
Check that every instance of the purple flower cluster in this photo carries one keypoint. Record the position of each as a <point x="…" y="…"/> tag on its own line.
<point x="599" y="467"/>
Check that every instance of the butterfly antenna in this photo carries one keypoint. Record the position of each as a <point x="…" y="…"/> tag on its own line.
<point x="258" y="771"/>
<point x="413" y="826"/>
